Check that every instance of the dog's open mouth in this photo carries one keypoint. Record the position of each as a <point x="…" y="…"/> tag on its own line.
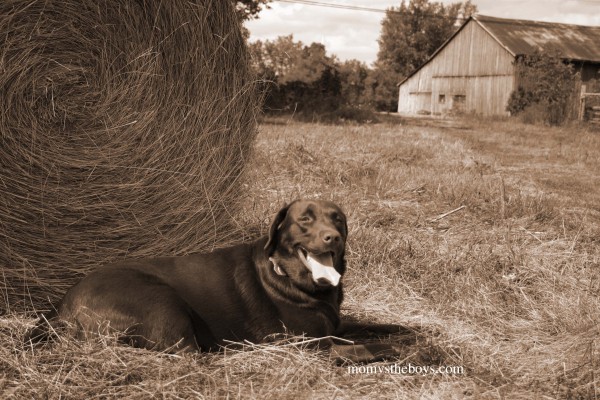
<point x="321" y="267"/>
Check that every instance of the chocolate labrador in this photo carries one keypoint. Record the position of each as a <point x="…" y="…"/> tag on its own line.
<point x="286" y="282"/>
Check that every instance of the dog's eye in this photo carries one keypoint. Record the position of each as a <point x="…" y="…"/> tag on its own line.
<point x="337" y="219"/>
<point x="304" y="218"/>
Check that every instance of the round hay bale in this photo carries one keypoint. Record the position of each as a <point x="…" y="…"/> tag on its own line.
<point x="124" y="130"/>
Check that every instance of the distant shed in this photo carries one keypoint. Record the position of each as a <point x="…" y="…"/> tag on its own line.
<point x="474" y="70"/>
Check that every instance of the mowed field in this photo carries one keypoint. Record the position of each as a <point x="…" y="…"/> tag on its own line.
<point x="481" y="235"/>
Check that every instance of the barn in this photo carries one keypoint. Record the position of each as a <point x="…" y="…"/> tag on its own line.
<point x="474" y="70"/>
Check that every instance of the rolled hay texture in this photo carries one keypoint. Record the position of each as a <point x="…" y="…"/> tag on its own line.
<point x="124" y="130"/>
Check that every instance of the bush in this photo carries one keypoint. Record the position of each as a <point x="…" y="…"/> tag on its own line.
<point x="353" y="114"/>
<point x="546" y="83"/>
<point x="318" y="97"/>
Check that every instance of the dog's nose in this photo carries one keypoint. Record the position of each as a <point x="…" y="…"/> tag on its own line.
<point x="331" y="236"/>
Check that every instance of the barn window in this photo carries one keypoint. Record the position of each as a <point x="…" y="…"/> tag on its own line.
<point x="459" y="98"/>
<point x="442" y="98"/>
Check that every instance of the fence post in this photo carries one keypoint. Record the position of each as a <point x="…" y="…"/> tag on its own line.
<point x="582" y="103"/>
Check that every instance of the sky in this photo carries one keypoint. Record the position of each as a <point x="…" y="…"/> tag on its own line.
<point x="350" y="34"/>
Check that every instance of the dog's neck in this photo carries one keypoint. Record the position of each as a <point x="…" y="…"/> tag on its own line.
<point x="282" y="291"/>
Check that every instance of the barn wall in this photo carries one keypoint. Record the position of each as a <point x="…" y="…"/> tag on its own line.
<point x="415" y="93"/>
<point x="472" y="73"/>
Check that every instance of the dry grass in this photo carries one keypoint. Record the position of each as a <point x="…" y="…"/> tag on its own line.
<point x="507" y="287"/>
<point x="124" y="128"/>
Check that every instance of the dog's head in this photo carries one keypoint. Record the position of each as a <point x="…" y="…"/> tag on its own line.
<point x="307" y="242"/>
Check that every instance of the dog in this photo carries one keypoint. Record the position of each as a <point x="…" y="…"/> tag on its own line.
<point x="289" y="281"/>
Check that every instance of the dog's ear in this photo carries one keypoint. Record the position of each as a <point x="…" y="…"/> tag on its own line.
<point x="274" y="230"/>
<point x="345" y="226"/>
<point x="341" y="218"/>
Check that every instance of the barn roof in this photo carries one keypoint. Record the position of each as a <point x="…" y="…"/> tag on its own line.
<point x="523" y="37"/>
<point x="520" y="37"/>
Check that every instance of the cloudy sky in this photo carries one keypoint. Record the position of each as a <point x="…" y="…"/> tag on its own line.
<point x="353" y="33"/>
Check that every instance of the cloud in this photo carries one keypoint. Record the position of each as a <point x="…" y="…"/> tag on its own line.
<point x="345" y="33"/>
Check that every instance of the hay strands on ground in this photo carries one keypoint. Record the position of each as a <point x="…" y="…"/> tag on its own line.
<point x="444" y="215"/>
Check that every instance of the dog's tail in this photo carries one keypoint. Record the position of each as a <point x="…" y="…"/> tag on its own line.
<point x="44" y="330"/>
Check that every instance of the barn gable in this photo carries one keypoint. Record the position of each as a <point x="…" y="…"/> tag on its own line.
<point x="474" y="69"/>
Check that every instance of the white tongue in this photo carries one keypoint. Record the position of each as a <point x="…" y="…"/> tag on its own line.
<point x="321" y="266"/>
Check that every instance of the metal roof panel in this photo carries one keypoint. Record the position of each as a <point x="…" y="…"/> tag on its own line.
<point x="573" y="42"/>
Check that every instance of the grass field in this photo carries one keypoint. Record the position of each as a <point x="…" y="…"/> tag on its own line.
<point x="506" y="286"/>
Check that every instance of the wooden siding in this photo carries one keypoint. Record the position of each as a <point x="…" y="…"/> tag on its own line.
<point x="415" y="93"/>
<point x="472" y="73"/>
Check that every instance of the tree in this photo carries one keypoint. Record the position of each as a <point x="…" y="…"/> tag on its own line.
<point x="309" y="64"/>
<point x="381" y="90"/>
<point x="410" y="34"/>
<point x="298" y="77"/>
<point x="273" y="59"/>
<point x="353" y="76"/>
<point x="249" y="9"/>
